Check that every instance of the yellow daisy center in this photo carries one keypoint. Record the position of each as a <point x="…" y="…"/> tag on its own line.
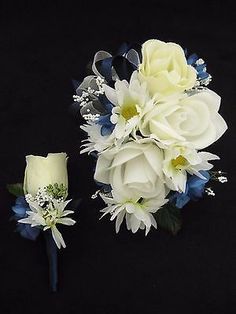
<point x="129" y="110"/>
<point x="179" y="161"/>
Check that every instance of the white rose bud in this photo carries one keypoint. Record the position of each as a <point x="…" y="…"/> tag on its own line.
<point x="42" y="171"/>
<point x="164" y="67"/>
<point x="133" y="171"/>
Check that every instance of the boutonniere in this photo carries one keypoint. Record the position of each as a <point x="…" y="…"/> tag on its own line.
<point x="41" y="205"/>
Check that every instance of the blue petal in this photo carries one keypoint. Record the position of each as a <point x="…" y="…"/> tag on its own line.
<point x="104" y="119"/>
<point x="20" y="207"/>
<point x="182" y="200"/>
<point x="106" y="130"/>
<point x="21" y="201"/>
<point x="28" y="232"/>
<point x="194" y="189"/>
<point x="106" y="103"/>
<point x="192" y="59"/>
<point x="107" y="125"/>
<point x="200" y="67"/>
<point x="197" y="185"/>
<point x="203" y="75"/>
<point x="19" y="210"/>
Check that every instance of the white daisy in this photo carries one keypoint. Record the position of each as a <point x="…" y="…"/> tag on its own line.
<point x="137" y="213"/>
<point x="131" y="102"/>
<point x="180" y="160"/>
<point x="96" y="141"/>
<point x="48" y="217"/>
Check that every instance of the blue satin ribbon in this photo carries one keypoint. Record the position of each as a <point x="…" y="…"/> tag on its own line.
<point x="122" y="66"/>
<point x="52" y="259"/>
<point x="105" y="70"/>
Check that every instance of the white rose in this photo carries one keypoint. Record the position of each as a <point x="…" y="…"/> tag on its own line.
<point x="164" y="67"/>
<point x="133" y="171"/>
<point x="42" y="171"/>
<point x="193" y="118"/>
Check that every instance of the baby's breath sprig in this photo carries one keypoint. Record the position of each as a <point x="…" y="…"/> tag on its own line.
<point x="85" y="96"/>
<point x="57" y="191"/>
<point x="209" y="191"/>
<point x="218" y="176"/>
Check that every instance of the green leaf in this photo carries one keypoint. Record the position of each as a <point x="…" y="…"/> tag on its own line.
<point x="169" y="218"/>
<point x="16" y="189"/>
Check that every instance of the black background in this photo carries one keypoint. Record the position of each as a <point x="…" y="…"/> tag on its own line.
<point x="42" y="47"/>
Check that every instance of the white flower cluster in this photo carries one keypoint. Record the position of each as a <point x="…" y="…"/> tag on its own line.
<point x="161" y="119"/>
<point x="46" y="212"/>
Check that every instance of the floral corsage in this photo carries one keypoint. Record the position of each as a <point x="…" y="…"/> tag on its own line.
<point x="149" y="116"/>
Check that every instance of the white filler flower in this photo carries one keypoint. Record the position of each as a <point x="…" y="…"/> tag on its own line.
<point x="180" y="160"/>
<point x="48" y="217"/>
<point x="96" y="141"/>
<point x="130" y="101"/>
<point x="137" y="213"/>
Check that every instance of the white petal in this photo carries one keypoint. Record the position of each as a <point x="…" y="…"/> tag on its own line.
<point x="120" y="128"/>
<point x="110" y="94"/>
<point x="66" y="221"/>
<point x="220" y="125"/>
<point x="208" y="156"/>
<point x="117" y="211"/>
<point x="57" y="237"/>
<point x="119" y="220"/>
<point x="127" y="219"/>
<point x="125" y="155"/>
<point x="134" y="223"/>
<point x="67" y="212"/>
<point x="130" y="208"/>
<point x="155" y="157"/>
<point x="153" y="221"/>
<point x="101" y="171"/>
<point x="25" y="221"/>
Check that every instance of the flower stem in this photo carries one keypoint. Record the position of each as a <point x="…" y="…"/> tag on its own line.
<point x="52" y="259"/>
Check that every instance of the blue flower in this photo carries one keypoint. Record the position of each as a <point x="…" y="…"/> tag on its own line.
<point x="194" y="190"/>
<point x="25" y="230"/>
<point x="20" y="207"/>
<point x="200" y="67"/>
<point x="28" y="232"/>
<point x="104" y="120"/>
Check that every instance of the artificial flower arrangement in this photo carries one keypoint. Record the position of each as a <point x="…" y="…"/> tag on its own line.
<point x="149" y="115"/>
<point x="41" y="204"/>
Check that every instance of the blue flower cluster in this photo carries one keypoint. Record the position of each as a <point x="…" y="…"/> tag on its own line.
<point x="200" y="67"/>
<point x="194" y="190"/>
<point x="104" y="120"/>
<point x="25" y="230"/>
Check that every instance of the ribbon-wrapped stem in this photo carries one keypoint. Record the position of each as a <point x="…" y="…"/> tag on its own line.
<point x="52" y="259"/>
